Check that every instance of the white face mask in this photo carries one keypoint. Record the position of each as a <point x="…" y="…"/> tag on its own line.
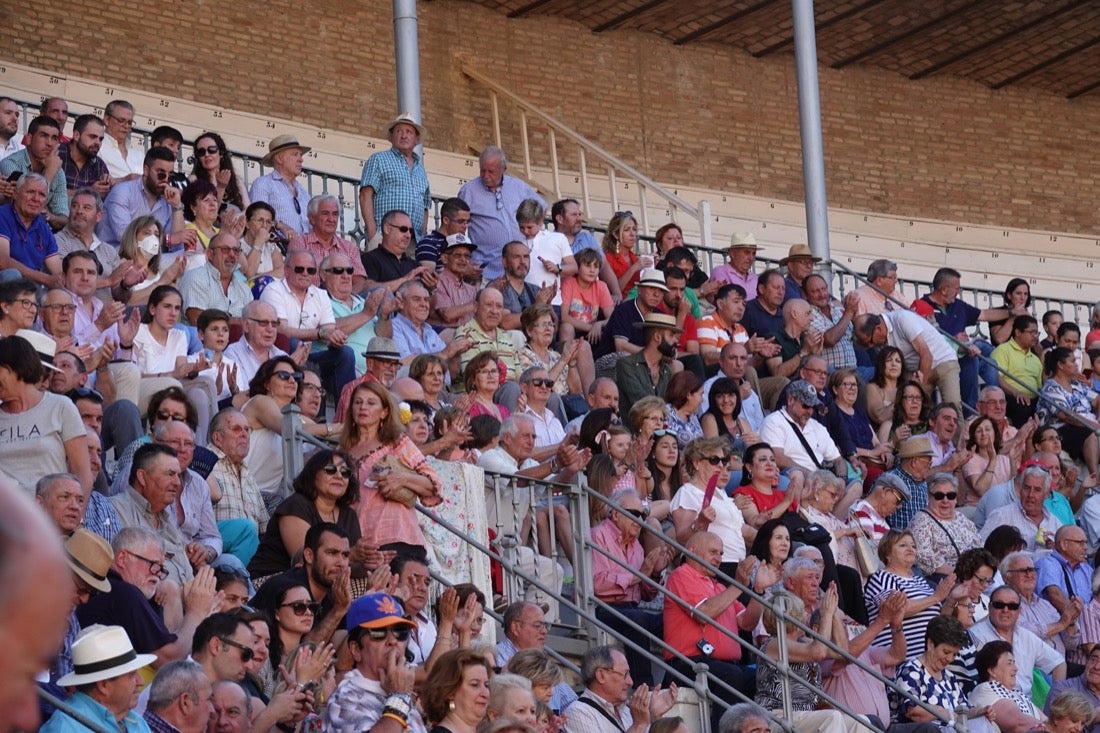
<point x="150" y="245"/>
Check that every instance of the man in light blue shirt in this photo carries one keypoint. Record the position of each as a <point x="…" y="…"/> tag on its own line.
<point x="493" y="198"/>
<point x="149" y="194"/>
<point x="280" y="188"/>
<point x="411" y="331"/>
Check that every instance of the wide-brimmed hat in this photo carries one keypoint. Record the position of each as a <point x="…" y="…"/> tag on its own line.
<point x="455" y="241"/>
<point x="804" y="392"/>
<point x="405" y="119"/>
<point x="743" y="240"/>
<point x="90" y="557"/>
<point x="382" y="348"/>
<point x="377" y="611"/>
<point x="280" y="143"/>
<point x="103" y="653"/>
<point x="659" y="320"/>
<point x="651" y="277"/>
<point x="893" y="482"/>
<point x="798" y="251"/>
<point x="43" y="344"/>
<point x="916" y="446"/>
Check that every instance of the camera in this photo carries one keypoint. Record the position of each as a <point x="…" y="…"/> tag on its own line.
<point x="705" y="647"/>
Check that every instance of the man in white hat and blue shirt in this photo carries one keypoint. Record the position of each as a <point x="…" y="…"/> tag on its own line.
<point x="105" y="675"/>
<point x="395" y="179"/>
<point x="280" y="188"/>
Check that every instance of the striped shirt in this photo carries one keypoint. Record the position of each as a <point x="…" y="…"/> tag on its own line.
<point x="879" y="585"/>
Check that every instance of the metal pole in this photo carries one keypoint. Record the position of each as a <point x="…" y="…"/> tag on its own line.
<point x="809" y="118"/>
<point x="406" y="54"/>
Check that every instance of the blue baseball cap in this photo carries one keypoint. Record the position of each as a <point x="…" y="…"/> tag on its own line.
<point x="377" y="611"/>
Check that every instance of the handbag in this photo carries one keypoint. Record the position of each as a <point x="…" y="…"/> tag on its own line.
<point x="867" y="556"/>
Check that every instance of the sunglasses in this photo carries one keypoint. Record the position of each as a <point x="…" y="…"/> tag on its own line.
<point x="287" y="376"/>
<point x="331" y="470"/>
<point x="211" y="150"/>
<point x="299" y="269"/>
<point x="401" y="228"/>
<point x="1002" y="605"/>
<point x="642" y="514"/>
<point x="539" y="382"/>
<point x="164" y="416"/>
<point x="246" y="651"/>
<point x="380" y="634"/>
<point x="301" y="608"/>
<point x="663" y="432"/>
<point x="340" y="270"/>
<point x="716" y="460"/>
<point x="940" y="496"/>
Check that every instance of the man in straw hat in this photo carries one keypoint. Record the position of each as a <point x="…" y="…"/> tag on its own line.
<point x="647" y="372"/>
<point x="914" y="465"/>
<point x="742" y="252"/>
<point x="280" y="188"/>
<point x="105" y="675"/>
<point x="395" y="179"/>
<point x="800" y="263"/>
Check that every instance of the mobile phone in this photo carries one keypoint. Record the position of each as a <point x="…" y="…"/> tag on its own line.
<point x="15" y="176"/>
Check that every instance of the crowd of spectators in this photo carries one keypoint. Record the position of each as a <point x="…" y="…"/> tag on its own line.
<point x="858" y="463"/>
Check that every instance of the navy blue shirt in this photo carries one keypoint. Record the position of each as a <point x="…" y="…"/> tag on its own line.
<point x="758" y="322"/>
<point x="955" y="318"/>
<point x="621" y="323"/>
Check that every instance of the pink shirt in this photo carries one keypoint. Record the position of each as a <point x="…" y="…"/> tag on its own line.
<point x="725" y="274"/>
<point x="682" y="632"/>
<point x="383" y="521"/>
<point x="310" y="243"/>
<point x="584" y="304"/>
<point x="611" y="580"/>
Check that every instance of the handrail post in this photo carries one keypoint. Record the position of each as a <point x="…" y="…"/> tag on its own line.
<point x="702" y="692"/>
<point x="496" y="117"/>
<point x="643" y="210"/>
<point x="582" y="566"/>
<point x="705" y="234"/>
<point x="783" y="663"/>
<point x="585" y="195"/>
<point x="526" y="143"/>
<point x="554" y="164"/>
<point x="293" y="447"/>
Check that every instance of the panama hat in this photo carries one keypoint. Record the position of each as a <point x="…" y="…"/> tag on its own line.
<point x="280" y="143"/>
<point x="103" y="653"/>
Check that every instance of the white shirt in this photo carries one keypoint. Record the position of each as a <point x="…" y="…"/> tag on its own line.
<point x="777" y="432"/>
<point x="903" y="327"/>
<point x="121" y="163"/>
<point x="553" y="248"/>
<point x="1013" y="515"/>
<point x="1030" y="651"/>
<point x="153" y="358"/>
<point x="728" y="519"/>
<point x="514" y="501"/>
<point x="248" y="361"/>
<point x="314" y="311"/>
<point x="548" y="429"/>
<point x="14" y="145"/>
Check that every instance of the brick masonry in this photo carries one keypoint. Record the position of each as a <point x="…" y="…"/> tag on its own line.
<point x="704" y="114"/>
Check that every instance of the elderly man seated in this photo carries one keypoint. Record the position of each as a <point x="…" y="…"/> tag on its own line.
<point x="1027" y="513"/>
<point x="361" y="319"/>
<point x="414" y="335"/>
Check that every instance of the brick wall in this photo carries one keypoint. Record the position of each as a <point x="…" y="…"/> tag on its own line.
<point x="707" y="115"/>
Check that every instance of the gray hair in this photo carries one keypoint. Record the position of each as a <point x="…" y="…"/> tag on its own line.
<point x="530" y="372"/>
<point x="315" y="202"/>
<point x="501" y="684"/>
<point x="492" y="152"/>
<point x="252" y="308"/>
<point x="331" y="259"/>
<point x="595" y="659"/>
<point x="1030" y="471"/>
<point x="173" y="680"/>
<point x="938" y="479"/>
<point x="220" y="417"/>
<point x="160" y="432"/>
<point x="808" y="552"/>
<point x="303" y="253"/>
<point x="821" y="478"/>
<point x="1013" y="557"/>
<point x="595" y="386"/>
<point x="45" y="484"/>
<point x="510" y="426"/>
<point x="796" y="564"/>
<point x="135" y="538"/>
<point x="408" y="285"/>
<point x="93" y="194"/>
<point x="30" y="177"/>
<point x="736" y="717"/>
<point x="880" y="268"/>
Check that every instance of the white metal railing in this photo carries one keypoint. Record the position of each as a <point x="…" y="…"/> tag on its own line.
<point x="613" y="166"/>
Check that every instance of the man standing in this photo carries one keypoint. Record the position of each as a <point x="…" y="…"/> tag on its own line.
<point x="305" y="313"/>
<point x="280" y="189"/>
<point x="124" y="163"/>
<point x="742" y="252"/>
<point x="879" y="295"/>
<point x="923" y="349"/>
<point x="389" y="264"/>
<point x="106" y="680"/>
<point x="1021" y="370"/>
<point x="40" y="156"/>
<point x="1027" y="513"/>
<point x="10" y="142"/>
<point x="603" y="708"/>
<point x="26" y="243"/>
<point x="381" y="683"/>
<point x="180" y="699"/>
<point x="454" y="218"/>
<point x="80" y="157"/>
<point x="147" y="194"/>
<point x="648" y="372"/>
<point x="322" y="240"/>
<point x="217" y="284"/>
<point x="493" y="198"/>
<point x="396" y="179"/>
<point x="1028" y="649"/>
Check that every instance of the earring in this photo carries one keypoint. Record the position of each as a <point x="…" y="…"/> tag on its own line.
<point x="451" y="705"/>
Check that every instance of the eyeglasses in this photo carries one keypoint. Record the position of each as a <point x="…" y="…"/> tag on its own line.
<point x="849" y="385"/>
<point x="301" y="608"/>
<point x="331" y="470"/>
<point x="299" y="269"/>
<point x="381" y="634"/>
<point x="26" y="303"/>
<point x="287" y="376"/>
<point x="716" y="460"/>
<point x="156" y="567"/>
<point x="460" y="222"/>
<point x="401" y="228"/>
<point x="246" y="651"/>
<point x="540" y="382"/>
<point x="541" y="625"/>
<point x="940" y="495"/>
<point x="983" y="581"/>
<point x="1026" y="571"/>
<point x="317" y="388"/>
<point x="262" y="322"/>
<point x="618" y="671"/>
<point x="642" y="514"/>
<point x="122" y="120"/>
<point x="236" y="250"/>
<point x="1002" y="605"/>
<point x="211" y="150"/>
<point x="487" y="371"/>
<point x="911" y="397"/>
<point x="63" y="307"/>
<point x="165" y="416"/>
<point x="340" y="270"/>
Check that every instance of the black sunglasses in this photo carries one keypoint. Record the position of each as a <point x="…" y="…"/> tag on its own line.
<point x="246" y="651"/>
<point x="301" y="607"/>
<point x="299" y="269"/>
<point x="340" y="270"/>
<point x="331" y="470"/>
<point x="207" y="150"/>
<point x="164" y="416"/>
<point x="380" y="634"/>
<point x="1001" y="605"/>
<point x="939" y="495"/>
<point x="716" y="460"/>
<point x="642" y="514"/>
<point x="401" y="228"/>
<point x="539" y="382"/>
<point x="287" y="376"/>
